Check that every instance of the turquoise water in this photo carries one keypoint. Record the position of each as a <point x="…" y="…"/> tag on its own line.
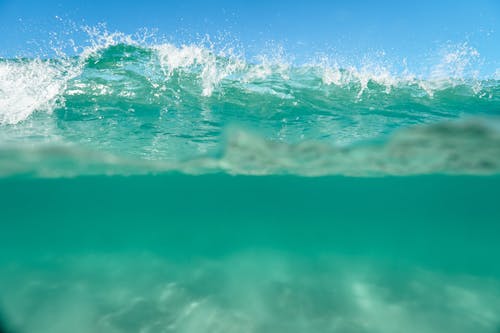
<point x="162" y="188"/>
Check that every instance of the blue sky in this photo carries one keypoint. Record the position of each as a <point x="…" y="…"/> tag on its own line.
<point x="399" y="28"/>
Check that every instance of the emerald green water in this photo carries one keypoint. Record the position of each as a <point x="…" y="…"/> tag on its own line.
<point x="218" y="253"/>
<point x="152" y="188"/>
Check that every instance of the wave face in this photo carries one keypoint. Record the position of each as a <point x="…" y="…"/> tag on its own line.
<point x="122" y="107"/>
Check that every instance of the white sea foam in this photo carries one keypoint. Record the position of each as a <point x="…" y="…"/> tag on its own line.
<point x="27" y="86"/>
<point x="33" y="85"/>
<point x="213" y="68"/>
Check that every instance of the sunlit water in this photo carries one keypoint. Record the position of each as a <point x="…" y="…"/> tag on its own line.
<point x="162" y="188"/>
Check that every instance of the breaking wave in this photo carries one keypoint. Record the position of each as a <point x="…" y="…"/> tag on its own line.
<point x="123" y="104"/>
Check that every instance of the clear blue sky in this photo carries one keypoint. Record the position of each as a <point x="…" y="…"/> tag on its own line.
<point x="401" y="28"/>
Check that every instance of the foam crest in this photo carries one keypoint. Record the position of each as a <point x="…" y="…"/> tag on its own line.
<point x="267" y="65"/>
<point x="213" y="68"/>
<point x="30" y="85"/>
<point x="99" y="38"/>
<point x="368" y="73"/>
<point x="456" y="64"/>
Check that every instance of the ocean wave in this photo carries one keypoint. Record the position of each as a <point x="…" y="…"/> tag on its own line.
<point x="126" y="106"/>
<point x="116" y="66"/>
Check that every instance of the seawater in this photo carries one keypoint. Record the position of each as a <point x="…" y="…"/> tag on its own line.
<point x="180" y="188"/>
<point x="219" y="253"/>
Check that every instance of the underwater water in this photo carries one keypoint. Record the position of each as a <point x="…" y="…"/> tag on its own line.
<point x="163" y="188"/>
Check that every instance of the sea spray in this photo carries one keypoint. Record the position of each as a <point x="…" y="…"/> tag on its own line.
<point x="166" y="107"/>
<point x="154" y="186"/>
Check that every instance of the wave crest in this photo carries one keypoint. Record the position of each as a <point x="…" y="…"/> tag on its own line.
<point x="116" y="61"/>
<point x="124" y="105"/>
